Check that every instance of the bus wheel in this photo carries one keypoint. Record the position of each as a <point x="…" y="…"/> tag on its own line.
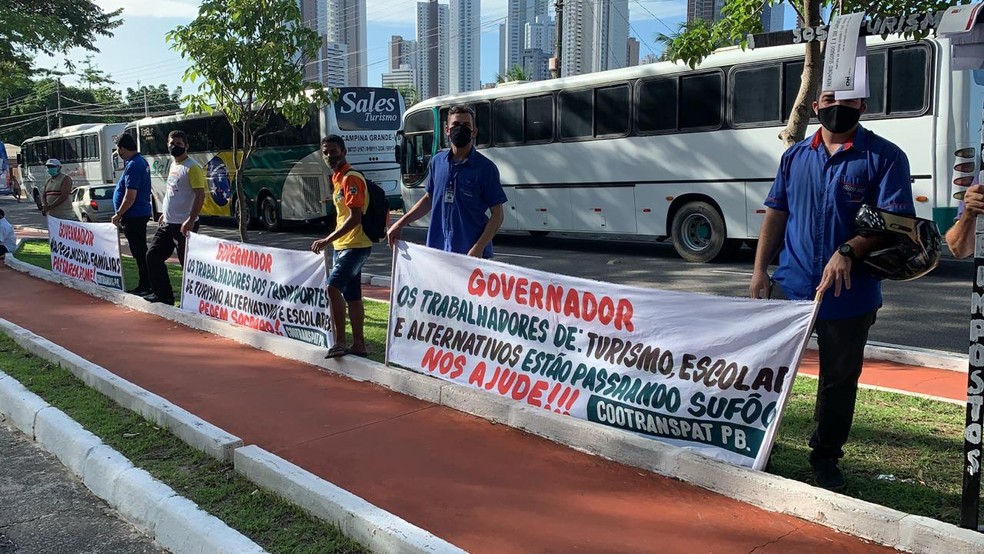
<point x="698" y="232"/>
<point x="268" y="214"/>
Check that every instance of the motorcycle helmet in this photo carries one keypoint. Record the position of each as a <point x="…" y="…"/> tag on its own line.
<point x="911" y="246"/>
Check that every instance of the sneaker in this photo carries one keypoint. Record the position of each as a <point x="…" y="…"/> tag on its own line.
<point x="827" y="475"/>
<point x="139" y="291"/>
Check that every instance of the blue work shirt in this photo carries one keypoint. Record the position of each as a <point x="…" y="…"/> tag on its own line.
<point x="136" y="176"/>
<point x="461" y="193"/>
<point x="822" y="195"/>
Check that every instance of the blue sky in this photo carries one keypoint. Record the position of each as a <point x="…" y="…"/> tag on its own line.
<point x="138" y="52"/>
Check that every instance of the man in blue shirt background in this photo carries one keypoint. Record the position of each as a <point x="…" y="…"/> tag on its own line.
<point x="821" y="183"/>
<point x="462" y="185"/>
<point x="131" y="200"/>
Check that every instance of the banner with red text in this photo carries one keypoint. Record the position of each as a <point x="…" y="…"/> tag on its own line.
<point x="270" y="289"/>
<point x="86" y="251"/>
<point x="696" y="371"/>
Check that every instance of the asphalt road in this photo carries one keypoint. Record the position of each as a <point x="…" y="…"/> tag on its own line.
<point x="931" y="312"/>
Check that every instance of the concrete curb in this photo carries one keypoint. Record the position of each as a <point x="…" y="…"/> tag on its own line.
<point x="173" y="522"/>
<point x="859" y="518"/>
<point x="381" y="531"/>
<point x="183" y="424"/>
<point x="138" y="496"/>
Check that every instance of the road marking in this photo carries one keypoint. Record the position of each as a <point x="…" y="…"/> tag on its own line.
<point x="733" y="272"/>
<point x="519" y="256"/>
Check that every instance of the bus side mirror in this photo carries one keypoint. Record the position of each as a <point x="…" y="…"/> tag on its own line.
<point x="117" y="162"/>
<point x="399" y="154"/>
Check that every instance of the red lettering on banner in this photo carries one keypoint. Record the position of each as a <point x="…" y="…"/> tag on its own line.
<point x="244" y="257"/>
<point x="76" y="234"/>
<point x="553" y="298"/>
<point x="253" y="322"/>
<point x="213" y="310"/>
<point x="70" y="269"/>
<point x="446" y="363"/>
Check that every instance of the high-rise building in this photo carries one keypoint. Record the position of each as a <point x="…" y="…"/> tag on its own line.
<point x="512" y="35"/>
<point x="347" y="25"/>
<point x="403" y="76"/>
<point x="773" y="18"/>
<point x="313" y="17"/>
<point x="402" y="52"/>
<point x="595" y="36"/>
<point x="708" y="10"/>
<point x="611" y="34"/>
<point x="465" y="48"/>
<point x="432" y="49"/>
<point x="632" y="58"/>
<point x="335" y="65"/>
<point x="536" y="64"/>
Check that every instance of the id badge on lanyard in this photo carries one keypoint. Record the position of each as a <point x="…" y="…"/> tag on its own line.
<point x="449" y="191"/>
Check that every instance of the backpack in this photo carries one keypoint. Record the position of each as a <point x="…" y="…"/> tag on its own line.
<point x="376" y="219"/>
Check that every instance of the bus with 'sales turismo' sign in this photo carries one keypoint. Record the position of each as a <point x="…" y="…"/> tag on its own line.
<point x="285" y="179"/>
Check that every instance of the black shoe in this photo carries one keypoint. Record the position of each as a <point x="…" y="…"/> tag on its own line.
<point x="139" y="291"/>
<point x="827" y="475"/>
<point x="153" y="299"/>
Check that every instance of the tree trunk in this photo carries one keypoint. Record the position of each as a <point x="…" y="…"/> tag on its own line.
<point x="242" y="205"/>
<point x="799" y="117"/>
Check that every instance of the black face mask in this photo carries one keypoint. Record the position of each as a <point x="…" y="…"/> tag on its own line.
<point x="460" y="135"/>
<point x="839" y="118"/>
<point x="178" y="151"/>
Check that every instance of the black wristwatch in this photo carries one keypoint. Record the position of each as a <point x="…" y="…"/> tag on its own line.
<point x="846" y="250"/>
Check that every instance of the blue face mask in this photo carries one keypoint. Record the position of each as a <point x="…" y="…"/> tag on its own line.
<point x="53" y="171"/>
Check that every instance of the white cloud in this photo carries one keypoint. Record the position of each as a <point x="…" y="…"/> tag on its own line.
<point x="184" y="9"/>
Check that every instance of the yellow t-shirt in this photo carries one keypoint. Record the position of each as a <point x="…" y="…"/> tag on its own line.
<point x="348" y="192"/>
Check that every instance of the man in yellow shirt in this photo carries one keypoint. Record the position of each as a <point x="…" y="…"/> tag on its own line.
<point x="351" y="249"/>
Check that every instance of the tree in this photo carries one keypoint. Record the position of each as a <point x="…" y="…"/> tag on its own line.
<point x="155" y="99"/>
<point x="51" y="27"/>
<point x="248" y="57"/>
<point x="698" y="39"/>
<point x="515" y="73"/>
<point x="409" y="93"/>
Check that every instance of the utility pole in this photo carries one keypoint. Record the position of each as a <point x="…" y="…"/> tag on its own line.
<point x="146" y="107"/>
<point x="47" y="119"/>
<point x="558" y="43"/>
<point x="58" y="91"/>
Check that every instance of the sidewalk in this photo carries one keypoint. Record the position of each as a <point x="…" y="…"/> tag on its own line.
<point x="481" y="486"/>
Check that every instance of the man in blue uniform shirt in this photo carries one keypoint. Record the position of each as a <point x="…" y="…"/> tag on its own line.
<point x="462" y="185"/>
<point x="821" y="184"/>
<point x="131" y="200"/>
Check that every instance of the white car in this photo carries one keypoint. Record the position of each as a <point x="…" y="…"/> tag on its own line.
<point x="93" y="202"/>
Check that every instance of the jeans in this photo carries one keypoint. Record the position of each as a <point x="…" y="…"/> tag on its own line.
<point x="135" y="231"/>
<point x="167" y="238"/>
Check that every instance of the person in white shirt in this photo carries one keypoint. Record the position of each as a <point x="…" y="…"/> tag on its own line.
<point x="8" y="240"/>
<point x="182" y="204"/>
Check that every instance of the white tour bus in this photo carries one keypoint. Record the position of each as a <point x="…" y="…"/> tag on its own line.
<point x="662" y="151"/>
<point x="286" y="178"/>
<point x="85" y="151"/>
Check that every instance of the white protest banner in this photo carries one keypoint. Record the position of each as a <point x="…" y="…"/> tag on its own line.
<point x="270" y="289"/>
<point x="840" y="57"/>
<point x="696" y="371"/>
<point x="86" y="251"/>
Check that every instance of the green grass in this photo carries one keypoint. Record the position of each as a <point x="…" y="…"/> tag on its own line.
<point x="37" y="252"/>
<point x="270" y="521"/>
<point x="918" y="442"/>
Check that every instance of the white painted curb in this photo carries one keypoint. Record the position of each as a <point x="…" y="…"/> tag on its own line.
<point x="138" y="496"/>
<point x="166" y="518"/>
<point x="770" y="492"/>
<point x="195" y="431"/>
<point x="381" y="531"/>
